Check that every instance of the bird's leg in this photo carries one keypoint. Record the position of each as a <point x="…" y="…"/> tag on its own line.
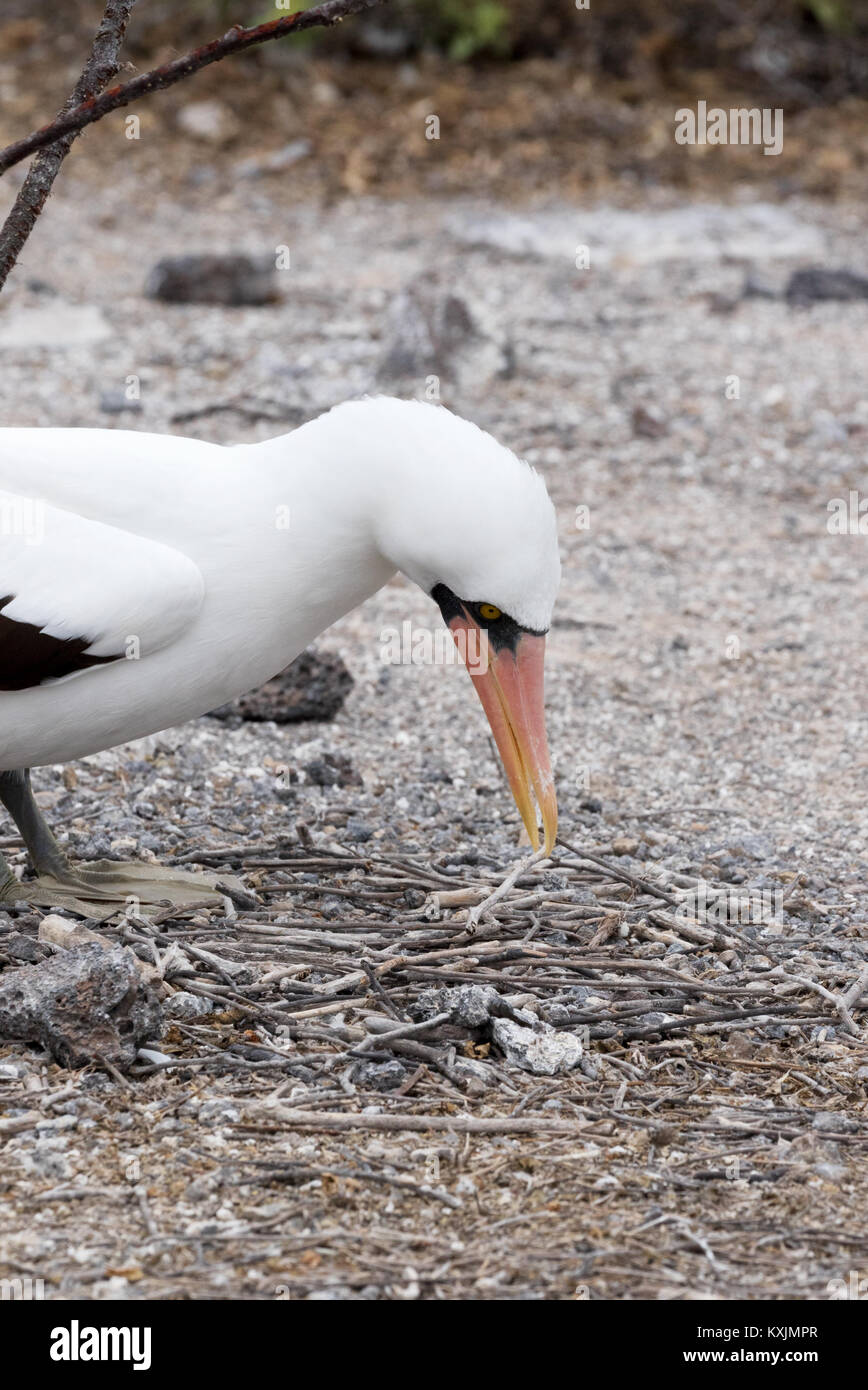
<point x="61" y="883"/>
<point x="45" y="853"/>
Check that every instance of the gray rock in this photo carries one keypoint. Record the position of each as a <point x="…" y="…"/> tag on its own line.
<point x="214" y="279"/>
<point x="380" y="1076"/>
<point x="218" y="1111"/>
<point x="24" y="948"/>
<point x="818" y="283"/>
<point x="554" y="1013"/>
<point x="833" y="1122"/>
<point x="432" y="333"/>
<point x="831" y="1172"/>
<point x="332" y="770"/>
<point x="470" y="1006"/>
<point x="185" y="1006"/>
<point x="85" y="1005"/>
<point x="543" y="1051"/>
<point x="472" y="1070"/>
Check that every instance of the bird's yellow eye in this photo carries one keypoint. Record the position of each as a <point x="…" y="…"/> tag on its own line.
<point x="489" y="612"/>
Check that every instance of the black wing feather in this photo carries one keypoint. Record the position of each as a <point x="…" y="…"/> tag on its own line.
<point x="29" y="656"/>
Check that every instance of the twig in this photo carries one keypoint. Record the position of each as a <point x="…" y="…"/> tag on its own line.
<point x="98" y="71"/>
<point x="75" y="1194"/>
<point x="842" y="1002"/>
<point x="236" y="40"/>
<point x="459" y="1124"/>
<point x="295" y="1173"/>
<point x="476" y="913"/>
<point x="141" y="1195"/>
<point x="407" y="1030"/>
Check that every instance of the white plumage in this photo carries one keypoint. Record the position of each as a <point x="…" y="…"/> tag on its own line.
<point x="73" y="576"/>
<point x="216" y="566"/>
<point x="147" y="579"/>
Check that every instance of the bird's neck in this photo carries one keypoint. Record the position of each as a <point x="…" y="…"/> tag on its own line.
<point x="311" y="551"/>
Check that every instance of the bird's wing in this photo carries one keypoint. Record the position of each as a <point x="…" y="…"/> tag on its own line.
<point x="76" y="594"/>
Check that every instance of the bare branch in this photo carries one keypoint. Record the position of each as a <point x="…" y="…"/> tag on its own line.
<point x="98" y="71"/>
<point x="158" y="79"/>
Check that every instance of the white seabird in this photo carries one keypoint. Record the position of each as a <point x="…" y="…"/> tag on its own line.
<point x="146" y="579"/>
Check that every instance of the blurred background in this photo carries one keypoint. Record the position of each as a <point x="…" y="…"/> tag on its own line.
<point x="536" y="95"/>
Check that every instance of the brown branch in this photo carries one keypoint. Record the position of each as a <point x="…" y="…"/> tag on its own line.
<point x="98" y="71"/>
<point x="158" y="79"/>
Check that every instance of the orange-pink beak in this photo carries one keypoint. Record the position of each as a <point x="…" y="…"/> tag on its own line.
<point x="510" y="686"/>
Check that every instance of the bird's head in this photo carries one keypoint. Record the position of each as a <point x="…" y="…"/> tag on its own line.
<point x="474" y="527"/>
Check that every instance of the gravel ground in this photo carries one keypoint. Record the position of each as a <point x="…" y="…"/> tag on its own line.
<point x="706" y="677"/>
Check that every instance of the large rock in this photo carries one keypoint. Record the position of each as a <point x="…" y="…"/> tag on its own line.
<point x="543" y="1050"/>
<point x="212" y="279"/>
<point x="525" y="1041"/>
<point x="817" y="283"/>
<point x="84" y="1005"/>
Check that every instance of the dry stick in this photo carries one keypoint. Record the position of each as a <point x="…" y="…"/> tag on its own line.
<point x="857" y="989"/>
<point x="295" y="1173"/>
<point x="617" y="872"/>
<point x="407" y="1030"/>
<point x="501" y="891"/>
<point x="460" y="1124"/>
<point x="98" y="71"/>
<point x="237" y="40"/>
<point x="842" y="1002"/>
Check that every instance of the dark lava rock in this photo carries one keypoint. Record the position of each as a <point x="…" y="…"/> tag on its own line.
<point x="85" y="1005"/>
<point x="313" y="687"/>
<point x="817" y="284"/>
<point x="332" y="770"/>
<point x="207" y="279"/>
<point x="24" y="948"/>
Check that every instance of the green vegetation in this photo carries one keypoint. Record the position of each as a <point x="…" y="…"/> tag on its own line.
<point x="467" y="30"/>
<point x="834" y="15"/>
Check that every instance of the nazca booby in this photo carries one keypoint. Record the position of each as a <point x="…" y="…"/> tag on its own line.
<point x="146" y="579"/>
